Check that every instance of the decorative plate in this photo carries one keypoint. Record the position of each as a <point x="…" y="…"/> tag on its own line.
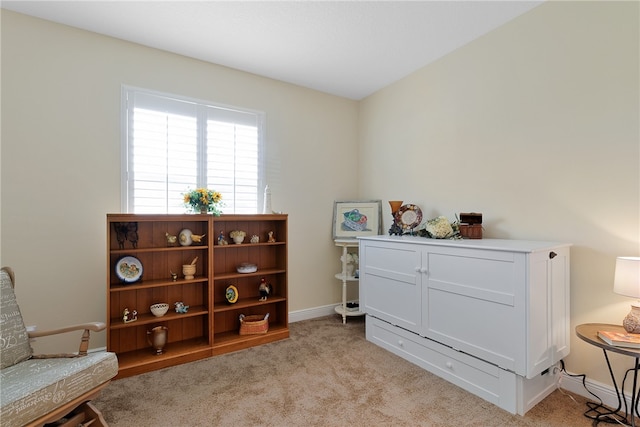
<point x="129" y="269"/>
<point x="408" y="216"/>
<point x="232" y="294"/>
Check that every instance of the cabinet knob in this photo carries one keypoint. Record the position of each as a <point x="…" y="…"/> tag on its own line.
<point x="449" y="365"/>
<point x="400" y="343"/>
<point x="552" y="255"/>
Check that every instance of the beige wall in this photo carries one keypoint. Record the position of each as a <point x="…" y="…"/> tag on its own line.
<point x="61" y="161"/>
<point x="536" y="126"/>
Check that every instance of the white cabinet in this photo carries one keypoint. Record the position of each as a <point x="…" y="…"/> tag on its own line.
<point x="505" y="303"/>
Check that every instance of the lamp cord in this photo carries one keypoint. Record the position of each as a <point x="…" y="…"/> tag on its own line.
<point x="593" y="406"/>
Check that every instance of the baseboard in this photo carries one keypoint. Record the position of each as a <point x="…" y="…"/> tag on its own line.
<point x="311" y="313"/>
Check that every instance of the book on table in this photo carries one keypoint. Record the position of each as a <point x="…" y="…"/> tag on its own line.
<point x="620" y="339"/>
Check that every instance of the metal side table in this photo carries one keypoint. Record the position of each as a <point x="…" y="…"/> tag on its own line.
<point x="588" y="332"/>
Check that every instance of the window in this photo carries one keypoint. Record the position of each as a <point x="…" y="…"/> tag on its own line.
<point x="172" y="145"/>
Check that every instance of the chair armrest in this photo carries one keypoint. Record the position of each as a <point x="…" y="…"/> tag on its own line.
<point x="93" y="326"/>
<point x="84" y="343"/>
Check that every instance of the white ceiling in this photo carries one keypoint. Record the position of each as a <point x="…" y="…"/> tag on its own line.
<point x="345" y="48"/>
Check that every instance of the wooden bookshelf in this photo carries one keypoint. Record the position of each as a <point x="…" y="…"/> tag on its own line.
<point x="211" y="325"/>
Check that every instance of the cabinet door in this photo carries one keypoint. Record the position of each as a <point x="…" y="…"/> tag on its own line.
<point x="391" y="283"/>
<point x="474" y="301"/>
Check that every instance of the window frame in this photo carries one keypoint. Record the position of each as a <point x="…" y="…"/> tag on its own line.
<point x="126" y="201"/>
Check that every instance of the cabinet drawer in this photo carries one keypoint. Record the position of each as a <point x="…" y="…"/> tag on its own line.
<point x="476" y="376"/>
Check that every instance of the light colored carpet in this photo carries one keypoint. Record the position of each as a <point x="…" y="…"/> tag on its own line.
<point x="325" y="374"/>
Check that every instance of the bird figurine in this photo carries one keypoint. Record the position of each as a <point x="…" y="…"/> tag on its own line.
<point x="221" y="239"/>
<point x="196" y="238"/>
<point x="264" y="289"/>
<point x="171" y="240"/>
<point x="180" y="307"/>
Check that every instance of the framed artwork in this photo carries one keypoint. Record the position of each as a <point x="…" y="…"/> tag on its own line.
<point x="352" y="219"/>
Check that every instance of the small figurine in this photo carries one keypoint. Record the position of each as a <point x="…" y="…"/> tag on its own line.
<point x="128" y="316"/>
<point x="196" y="238"/>
<point x="264" y="289"/>
<point x="121" y="233"/>
<point x="221" y="239"/>
<point x="171" y="240"/>
<point x="272" y="238"/>
<point x="180" y="307"/>
<point x="174" y="276"/>
<point x="255" y="239"/>
<point x="132" y="233"/>
<point x="395" y="230"/>
<point x="126" y="231"/>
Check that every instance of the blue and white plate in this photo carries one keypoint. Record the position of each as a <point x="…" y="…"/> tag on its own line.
<point x="129" y="269"/>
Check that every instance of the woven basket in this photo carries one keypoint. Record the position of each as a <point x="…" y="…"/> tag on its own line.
<point x="254" y="324"/>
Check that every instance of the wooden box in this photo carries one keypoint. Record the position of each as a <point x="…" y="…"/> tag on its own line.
<point x="471" y="225"/>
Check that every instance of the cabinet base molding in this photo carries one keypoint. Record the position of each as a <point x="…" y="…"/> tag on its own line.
<point x="505" y="389"/>
<point x="231" y="344"/>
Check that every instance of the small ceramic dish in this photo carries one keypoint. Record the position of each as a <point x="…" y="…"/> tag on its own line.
<point x="159" y="309"/>
<point x="246" y="267"/>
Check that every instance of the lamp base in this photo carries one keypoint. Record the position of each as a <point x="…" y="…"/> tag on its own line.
<point x="631" y="323"/>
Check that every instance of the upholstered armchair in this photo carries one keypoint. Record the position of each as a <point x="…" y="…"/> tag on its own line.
<point x="40" y="389"/>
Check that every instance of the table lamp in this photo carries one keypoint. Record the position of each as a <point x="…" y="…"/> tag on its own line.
<point x="627" y="282"/>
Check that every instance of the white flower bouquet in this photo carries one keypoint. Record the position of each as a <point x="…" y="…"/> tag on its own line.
<point x="441" y="228"/>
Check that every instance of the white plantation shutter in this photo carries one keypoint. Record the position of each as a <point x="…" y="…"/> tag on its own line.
<point x="172" y="145"/>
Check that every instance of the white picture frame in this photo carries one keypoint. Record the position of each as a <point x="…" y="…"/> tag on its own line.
<point x="345" y="212"/>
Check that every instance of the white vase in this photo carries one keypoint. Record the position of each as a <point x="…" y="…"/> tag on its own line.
<point x="266" y="209"/>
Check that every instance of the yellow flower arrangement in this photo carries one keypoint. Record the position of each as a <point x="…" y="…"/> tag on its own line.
<point x="202" y="200"/>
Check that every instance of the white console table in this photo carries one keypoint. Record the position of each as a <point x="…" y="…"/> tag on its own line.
<point x="489" y="315"/>
<point x="346" y="278"/>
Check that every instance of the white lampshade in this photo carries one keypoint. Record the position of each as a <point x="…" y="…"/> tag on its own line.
<point x="627" y="277"/>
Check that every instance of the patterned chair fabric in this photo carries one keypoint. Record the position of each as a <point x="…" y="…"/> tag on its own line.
<point x="31" y="388"/>
<point x="14" y="339"/>
<point x="35" y="387"/>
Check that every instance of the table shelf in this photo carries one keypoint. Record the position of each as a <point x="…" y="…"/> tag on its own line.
<point x="346" y="278"/>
